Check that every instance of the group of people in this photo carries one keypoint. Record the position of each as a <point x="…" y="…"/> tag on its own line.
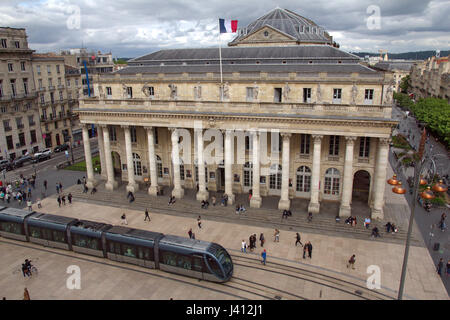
<point x="26" y="268"/>
<point x="351" y="221"/>
<point x="240" y="209"/>
<point x="205" y="204"/>
<point x="20" y="190"/>
<point x="391" y="227"/>
<point x="62" y="199"/>
<point x="286" y="214"/>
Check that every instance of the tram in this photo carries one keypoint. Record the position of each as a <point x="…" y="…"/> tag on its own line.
<point x="189" y="257"/>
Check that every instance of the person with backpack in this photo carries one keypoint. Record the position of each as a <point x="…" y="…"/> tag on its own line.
<point x="298" y="239"/>
<point x="351" y="262"/>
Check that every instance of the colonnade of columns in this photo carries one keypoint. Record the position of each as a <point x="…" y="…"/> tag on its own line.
<point x="256" y="200"/>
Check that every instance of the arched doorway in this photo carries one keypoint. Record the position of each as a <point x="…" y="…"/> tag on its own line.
<point x="117" y="164"/>
<point x="303" y="181"/>
<point x="275" y="179"/>
<point x="331" y="189"/>
<point x="361" y="186"/>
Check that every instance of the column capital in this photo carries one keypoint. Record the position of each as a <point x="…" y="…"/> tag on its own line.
<point x="103" y="126"/>
<point x="286" y="135"/>
<point x="124" y="126"/>
<point x="148" y="128"/>
<point x="384" y="141"/>
<point x="350" y="140"/>
<point x="317" y="137"/>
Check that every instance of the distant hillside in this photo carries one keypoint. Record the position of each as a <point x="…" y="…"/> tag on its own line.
<point x="418" y="55"/>
<point x="121" y="60"/>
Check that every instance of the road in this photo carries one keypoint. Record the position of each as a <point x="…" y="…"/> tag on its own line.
<point x="427" y="221"/>
<point x="46" y="170"/>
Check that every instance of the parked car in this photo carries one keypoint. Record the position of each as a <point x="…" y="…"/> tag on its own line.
<point x="45" y="151"/>
<point x="6" y="165"/>
<point x="61" y="147"/>
<point x="22" y="160"/>
<point x="41" y="157"/>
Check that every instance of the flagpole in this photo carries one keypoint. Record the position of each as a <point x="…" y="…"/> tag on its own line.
<point x="220" y="55"/>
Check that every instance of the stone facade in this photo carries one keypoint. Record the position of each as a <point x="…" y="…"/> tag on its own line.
<point x="19" y="113"/>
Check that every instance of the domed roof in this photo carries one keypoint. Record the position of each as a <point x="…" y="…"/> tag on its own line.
<point x="292" y="25"/>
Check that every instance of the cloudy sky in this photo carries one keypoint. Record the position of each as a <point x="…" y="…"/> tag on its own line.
<point x="130" y="28"/>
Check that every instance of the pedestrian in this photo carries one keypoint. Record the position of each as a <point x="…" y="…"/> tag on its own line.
<point x="251" y="243"/>
<point x="45" y="185"/>
<point x="261" y="238"/>
<point x="305" y="248"/>
<point x="26" y="294"/>
<point x="124" y="219"/>
<point x="440" y="265"/>
<point x="29" y="204"/>
<point x="85" y="188"/>
<point x="213" y="200"/>
<point x="309" y="247"/>
<point x="59" y="201"/>
<point x="351" y="262"/>
<point x="264" y="256"/>
<point x="199" y="222"/>
<point x="146" y="215"/>
<point x="69" y="197"/>
<point x="39" y="203"/>
<point x="60" y="187"/>
<point x="448" y="268"/>
<point x="243" y="246"/>
<point x="277" y="235"/>
<point x="298" y="239"/>
<point x="190" y="233"/>
<point x="63" y="199"/>
<point x="57" y="187"/>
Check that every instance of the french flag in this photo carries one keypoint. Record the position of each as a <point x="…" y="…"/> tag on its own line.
<point x="227" y="25"/>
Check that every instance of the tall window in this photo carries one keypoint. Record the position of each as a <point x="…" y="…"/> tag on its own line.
<point x="332" y="182"/>
<point x="303" y="179"/>
<point x="368" y="96"/>
<point x="25" y="85"/>
<point x="337" y="95"/>
<point x="57" y="69"/>
<point x="307" y="95"/>
<point x="364" y="147"/>
<point x="1" y="89"/>
<point x="275" y="177"/>
<point x="49" y="70"/>
<point x="10" y="67"/>
<point x="304" y="143"/>
<point x="38" y="69"/>
<point x="137" y="165"/>
<point x="130" y="92"/>
<point x="17" y="44"/>
<point x="112" y="133"/>
<point x="108" y="92"/>
<point x="13" y="87"/>
<point x="250" y="94"/>
<point x="248" y="174"/>
<point x="181" y="170"/>
<point x="334" y="146"/>
<point x="159" y="167"/>
<point x="33" y="136"/>
<point x="4" y="43"/>
<point x="133" y="134"/>
<point x="22" y="65"/>
<point x="60" y="96"/>
<point x="277" y="95"/>
<point x="151" y="91"/>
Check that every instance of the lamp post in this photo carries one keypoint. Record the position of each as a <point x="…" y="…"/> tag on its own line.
<point x="427" y="194"/>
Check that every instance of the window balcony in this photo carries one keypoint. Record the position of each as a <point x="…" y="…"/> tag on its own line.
<point x="20" y="126"/>
<point x="8" y="129"/>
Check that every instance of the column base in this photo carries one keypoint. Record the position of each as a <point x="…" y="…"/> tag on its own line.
<point x="132" y="187"/>
<point x="91" y="183"/>
<point x="111" y="185"/>
<point x="178" y="193"/>
<point x="203" y="195"/>
<point x="255" y="202"/>
<point x="153" y="190"/>
<point x="345" y="211"/>
<point x="377" y="214"/>
<point x="314" y="207"/>
<point x="284" y="204"/>
<point x="231" y="198"/>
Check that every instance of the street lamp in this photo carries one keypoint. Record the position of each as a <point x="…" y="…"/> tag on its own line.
<point x="427" y="194"/>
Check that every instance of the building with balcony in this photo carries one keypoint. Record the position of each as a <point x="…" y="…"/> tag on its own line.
<point x="57" y="95"/>
<point x="430" y="78"/>
<point x="305" y="122"/>
<point x="400" y="69"/>
<point x="19" y="110"/>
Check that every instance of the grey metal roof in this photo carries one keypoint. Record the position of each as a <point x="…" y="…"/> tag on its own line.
<point x="395" y="65"/>
<point x="228" y="68"/>
<point x="287" y="22"/>
<point x="242" y="53"/>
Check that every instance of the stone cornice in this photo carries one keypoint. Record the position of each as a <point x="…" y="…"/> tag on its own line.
<point x="239" y="117"/>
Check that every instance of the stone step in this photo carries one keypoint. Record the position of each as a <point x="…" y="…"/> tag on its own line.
<point x="190" y="208"/>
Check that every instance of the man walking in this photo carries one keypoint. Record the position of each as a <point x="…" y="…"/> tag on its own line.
<point x="190" y="233"/>
<point x="264" y="255"/>
<point x="261" y="238"/>
<point x="440" y="265"/>
<point x="199" y="222"/>
<point x="309" y="245"/>
<point x="351" y="262"/>
<point x="57" y="187"/>
<point x="298" y="240"/>
<point x="243" y="246"/>
<point x="69" y="197"/>
<point x="59" y="201"/>
<point x="45" y="185"/>
<point x="146" y="215"/>
<point x="305" y="248"/>
<point x="124" y="219"/>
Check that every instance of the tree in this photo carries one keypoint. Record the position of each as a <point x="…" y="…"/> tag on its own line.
<point x="405" y="84"/>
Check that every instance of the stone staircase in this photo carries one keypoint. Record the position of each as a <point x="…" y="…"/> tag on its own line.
<point x="263" y="217"/>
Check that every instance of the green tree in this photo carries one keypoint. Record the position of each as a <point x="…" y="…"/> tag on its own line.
<point x="405" y="84"/>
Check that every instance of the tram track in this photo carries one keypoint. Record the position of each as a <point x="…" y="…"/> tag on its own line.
<point x="344" y="286"/>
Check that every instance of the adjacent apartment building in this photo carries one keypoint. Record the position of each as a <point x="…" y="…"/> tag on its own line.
<point x="431" y="78"/>
<point x="20" y="132"/>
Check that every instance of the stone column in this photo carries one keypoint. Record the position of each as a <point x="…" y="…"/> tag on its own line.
<point x="347" y="185"/>
<point x="229" y="159"/>
<point x="153" y="189"/>
<point x="110" y="183"/>
<point x="132" y="185"/>
<point x="284" y="201"/>
<point x="101" y="151"/>
<point x="202" y="194"/>
<point x="314" y="204"/>
<point x="177" y="192"/>
<point x="380" y="178"/>
<point x="256" y="200"/>
<point x="87" y="154"/>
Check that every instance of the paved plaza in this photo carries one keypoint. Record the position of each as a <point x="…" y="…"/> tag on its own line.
<point x="325" y="276"/>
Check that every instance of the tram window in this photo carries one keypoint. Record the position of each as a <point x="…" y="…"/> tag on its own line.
<point x="184" y="262"/>
<point x="224" y="260"/>
<point x="129" y="250"/>
<point x="58" y="236"/>
<point x="214" y="266"/>
<point x="197" y="264"/>
<point x="145" y="253"/>
<point x="168" y="258"/>
<point x="114" y="247"/>
<point x="46" y="234"/>
<point x="35" y="232"/>
<point x="86" y="242"/>
<point x="11" y="227"/>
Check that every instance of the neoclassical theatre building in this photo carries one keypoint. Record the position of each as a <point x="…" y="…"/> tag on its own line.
<point x="296" y="117"/>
